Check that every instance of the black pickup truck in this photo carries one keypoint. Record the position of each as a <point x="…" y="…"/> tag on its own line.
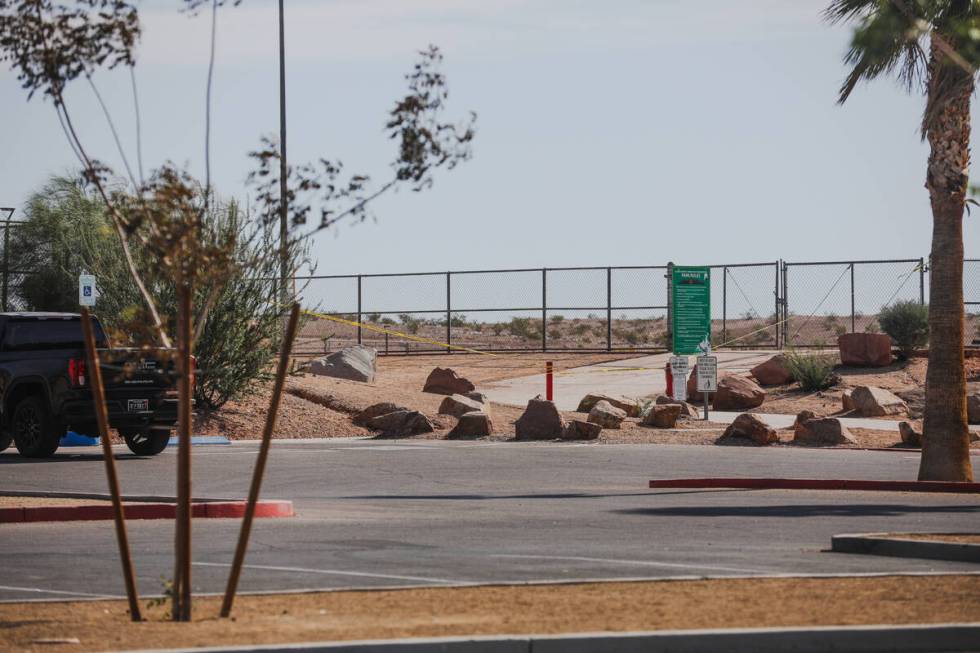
<point x="45" y="391"/>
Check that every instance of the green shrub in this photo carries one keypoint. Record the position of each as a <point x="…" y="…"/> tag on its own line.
<point x="811" y="371"/>
<point x="908" y="325"/>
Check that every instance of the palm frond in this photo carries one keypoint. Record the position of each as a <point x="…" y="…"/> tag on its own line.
<point x="886" y="39"/>
<point x="841" y="11"/>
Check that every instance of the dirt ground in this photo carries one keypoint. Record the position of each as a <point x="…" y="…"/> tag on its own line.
<point x="36" y="502"/>
<point x="326" y="405"/>
<point x="316" y="406"/>
<point x="545" y="609"/>
<point x="320" y="407"/>
<point x="956" y="538"/>
<point x="907" y="379"/>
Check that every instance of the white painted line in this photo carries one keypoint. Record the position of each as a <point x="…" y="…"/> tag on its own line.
<point x="38" y="590"/>
<point x="635" y="563"/>
<point x="338" y="572"/>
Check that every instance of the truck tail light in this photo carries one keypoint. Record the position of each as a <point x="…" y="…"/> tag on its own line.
<point x="76" y="372"/>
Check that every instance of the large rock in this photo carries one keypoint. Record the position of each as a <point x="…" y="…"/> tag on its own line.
<point x="401" y="423"/>
<point x="915" y="399"/>
<point x="773" y="372"/>
<point x="630" y="407"/>
<point x="376" y="410"/>
<point x="458" y="405"/>
<point x="477" y="396"/>
<point x="847" y="400"/>
<point x="355" y="363"/>
<point x="909" y="435"/>
<point x="606" y="415"/>
<point x="748" y="426"/>
<point x="865" y="349"/>
<point x="687" y="410"/>
<point x="876" y="402"/>
<point x="579" y="430"/>
<point x="476" y="424"/>
<point x="663" y="416"/>
<point x="822" y="431"/>
<point x="444" y="381"/>
<point x="738" y="393"/>
<point x="540" y="421"/>
<point x="973" y="408"/>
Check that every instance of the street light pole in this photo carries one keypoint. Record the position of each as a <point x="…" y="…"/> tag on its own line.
<point x="283" y="196"/>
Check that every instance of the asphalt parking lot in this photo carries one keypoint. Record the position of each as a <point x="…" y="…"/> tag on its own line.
<point x="375" y="513"/>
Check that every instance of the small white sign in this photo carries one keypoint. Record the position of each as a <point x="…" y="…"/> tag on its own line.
<point x="86" y="290"/>
<point x="679" y="370"/>
<point x="707" y="373"/>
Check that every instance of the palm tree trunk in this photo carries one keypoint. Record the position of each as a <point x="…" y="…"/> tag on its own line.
<point x="945" y="442"/>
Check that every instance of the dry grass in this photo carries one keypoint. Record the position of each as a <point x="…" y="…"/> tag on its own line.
<point x="433" y="612"/>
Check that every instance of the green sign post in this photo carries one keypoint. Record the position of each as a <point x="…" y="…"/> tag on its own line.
<point x="690" y="290"/>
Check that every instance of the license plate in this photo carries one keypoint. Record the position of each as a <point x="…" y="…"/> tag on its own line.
<point x="135" y="405"/>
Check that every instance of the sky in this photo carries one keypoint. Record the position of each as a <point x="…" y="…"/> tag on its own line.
<point x="625" y="132"/>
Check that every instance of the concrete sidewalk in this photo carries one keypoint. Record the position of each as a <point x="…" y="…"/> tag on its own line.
<point x="644" y="377"/>
<point x="635" y="377"/>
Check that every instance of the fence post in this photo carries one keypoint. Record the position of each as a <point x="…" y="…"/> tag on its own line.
<point x="449" y="311"/>
<point x="786" y="336"/>
<point x="358" y="309"/>
<point x="853" y="322"/>
<point x="724" y="305"/>
<point x="776" y="295"/>
<point x="6" y="261"/>
<point x="922" y="284"/>
<point x="544" y="309"/>
<point x="608" y="309"/>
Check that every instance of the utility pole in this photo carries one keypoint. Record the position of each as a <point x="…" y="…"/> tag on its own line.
<point x="283" y="169"/>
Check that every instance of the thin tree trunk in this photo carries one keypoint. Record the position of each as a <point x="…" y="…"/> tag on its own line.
<point x="945" y="442"/>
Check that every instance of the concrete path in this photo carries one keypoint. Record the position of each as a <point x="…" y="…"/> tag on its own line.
<point x="644" y="377"/>
<point x="635" y="377"/>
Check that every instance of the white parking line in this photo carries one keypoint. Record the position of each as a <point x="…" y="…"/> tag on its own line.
<point x="636" y="563"/>
<point x="38" y="590"/>
<point x="338" y="572"/>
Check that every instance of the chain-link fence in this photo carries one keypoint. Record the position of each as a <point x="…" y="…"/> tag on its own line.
<point x="756" y="305"/>
<point x="12" y="281"/>
<point x="971" y="299"/>
<point x="823" y="300"/>
<point x="543" y="309"/>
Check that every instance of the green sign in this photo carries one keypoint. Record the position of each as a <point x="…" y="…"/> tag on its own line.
<point x="690" y="291"/>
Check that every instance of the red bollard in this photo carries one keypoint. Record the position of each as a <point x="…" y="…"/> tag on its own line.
<point x="670" y="380"/>
<point x="549" y="382"/>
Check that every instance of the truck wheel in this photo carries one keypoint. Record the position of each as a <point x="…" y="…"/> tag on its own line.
<point x="146" y="442"/>
<point x="5" y="440"/>
<point x="35" y="432"/>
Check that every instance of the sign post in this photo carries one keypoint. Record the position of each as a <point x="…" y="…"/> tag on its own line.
<point x="690" y="303"/>
<point x="678" y="370"/>
<point x="87" y="293"/>
<point x="707" y="377"/>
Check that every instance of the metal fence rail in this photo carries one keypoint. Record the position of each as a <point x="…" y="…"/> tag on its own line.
<point x="594" y="309"/>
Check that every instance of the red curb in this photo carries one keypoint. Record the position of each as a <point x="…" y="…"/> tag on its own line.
<point x="11" y="515"/>
<point x="817" y="484"/>
<point x="224" y="509"/>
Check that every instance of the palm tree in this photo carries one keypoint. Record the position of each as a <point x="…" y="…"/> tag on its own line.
<point x="932" y="47"/>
